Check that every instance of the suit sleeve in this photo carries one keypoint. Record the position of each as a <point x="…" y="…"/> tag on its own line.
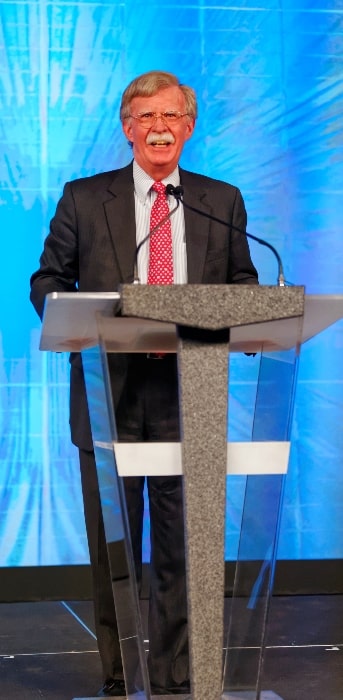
<point x="58" y="265"/>
<point x="241" y="267"/>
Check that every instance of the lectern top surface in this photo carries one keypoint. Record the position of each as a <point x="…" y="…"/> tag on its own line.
<point x="72" y="321"/>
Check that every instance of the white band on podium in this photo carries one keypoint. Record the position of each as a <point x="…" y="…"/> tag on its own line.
<point x="165" y="458"/>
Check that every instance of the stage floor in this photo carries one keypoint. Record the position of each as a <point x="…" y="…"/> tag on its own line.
<point x="48" y="649"/>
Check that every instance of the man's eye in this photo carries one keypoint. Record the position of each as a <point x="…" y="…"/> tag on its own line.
<point x="146" y="115"/>
<point x="170" y="115"/>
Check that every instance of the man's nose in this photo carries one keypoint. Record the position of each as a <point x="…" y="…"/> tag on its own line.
<point x="160" y="123"/>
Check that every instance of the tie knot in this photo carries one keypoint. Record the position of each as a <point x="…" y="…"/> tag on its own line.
<point x="159" y="187"/>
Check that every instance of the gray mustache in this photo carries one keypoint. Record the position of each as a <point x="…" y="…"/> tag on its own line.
<point x="152" y="137"/>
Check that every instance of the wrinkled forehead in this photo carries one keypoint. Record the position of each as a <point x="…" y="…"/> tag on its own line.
<point x="164" y="98"/>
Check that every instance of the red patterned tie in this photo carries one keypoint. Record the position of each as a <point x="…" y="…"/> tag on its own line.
<point x="161" y="249"/>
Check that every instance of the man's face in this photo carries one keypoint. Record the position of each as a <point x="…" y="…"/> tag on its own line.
<point x="157" y="150"/>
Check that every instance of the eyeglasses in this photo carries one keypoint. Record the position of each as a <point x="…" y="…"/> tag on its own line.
<point x="148" y="119"/>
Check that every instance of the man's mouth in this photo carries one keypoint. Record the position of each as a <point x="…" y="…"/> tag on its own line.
<point x="160" y="140"/>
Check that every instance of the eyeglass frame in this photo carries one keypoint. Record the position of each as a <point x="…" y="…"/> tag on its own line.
<point x="156" y="115"/>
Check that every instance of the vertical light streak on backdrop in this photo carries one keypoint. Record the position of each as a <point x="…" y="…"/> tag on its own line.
<point x="18" y="499"/>
<point x="45" y="511"/>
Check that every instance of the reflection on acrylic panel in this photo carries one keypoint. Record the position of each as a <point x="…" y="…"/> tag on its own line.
<point x="268" y="80"/>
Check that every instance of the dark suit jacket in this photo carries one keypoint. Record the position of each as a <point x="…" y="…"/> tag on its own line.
<point x="92" y="243"/>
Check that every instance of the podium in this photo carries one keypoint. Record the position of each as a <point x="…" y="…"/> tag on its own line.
<point x="202" y="324"/>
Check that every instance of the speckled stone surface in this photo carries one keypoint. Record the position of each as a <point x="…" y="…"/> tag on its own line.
<point x="203" y="372"/>
<point x="212" y="306"/>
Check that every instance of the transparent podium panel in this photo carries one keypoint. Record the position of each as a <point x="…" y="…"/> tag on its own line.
<point x="245" y="637"/>
<point x="116" y="525"/>
<point x="148" y="318"/>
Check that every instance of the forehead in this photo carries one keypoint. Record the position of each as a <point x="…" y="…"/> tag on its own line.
<point x="167" y="98"/>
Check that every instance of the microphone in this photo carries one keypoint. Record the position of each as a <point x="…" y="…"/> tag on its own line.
<point x="177" y="192"/>
<point x="169" y="190"/>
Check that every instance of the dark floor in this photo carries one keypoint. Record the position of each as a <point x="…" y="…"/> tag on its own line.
<point x="48" y="650"/>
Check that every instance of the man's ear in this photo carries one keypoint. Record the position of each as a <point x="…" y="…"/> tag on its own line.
<point x="190" y="128"/>
<point x="126" y="126"/>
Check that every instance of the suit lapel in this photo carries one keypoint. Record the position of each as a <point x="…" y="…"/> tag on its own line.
<point x="120" y="215"/>
<point x="197" y="227"/>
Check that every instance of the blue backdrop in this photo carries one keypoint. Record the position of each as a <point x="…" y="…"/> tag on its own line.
<point x="269" y="84"/>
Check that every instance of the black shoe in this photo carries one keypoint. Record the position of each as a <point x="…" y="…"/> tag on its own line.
<point x="183" y="689"/>
<point x="113" y="687"/>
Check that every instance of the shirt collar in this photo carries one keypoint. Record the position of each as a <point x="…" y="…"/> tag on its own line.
<point x="143" y="182"/>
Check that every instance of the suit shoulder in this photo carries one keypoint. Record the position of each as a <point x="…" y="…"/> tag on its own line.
<point x="203" y="181"/>
<point x="100" y="181"/>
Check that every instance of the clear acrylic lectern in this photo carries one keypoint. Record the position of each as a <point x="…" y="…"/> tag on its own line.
<point x="202" y="324"/>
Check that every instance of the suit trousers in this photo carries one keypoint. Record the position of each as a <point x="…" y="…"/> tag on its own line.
<point x="147" y="410"/>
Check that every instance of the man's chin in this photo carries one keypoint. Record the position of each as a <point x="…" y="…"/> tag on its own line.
<point x="161" y="156"/>
<point x="158" y="163"/>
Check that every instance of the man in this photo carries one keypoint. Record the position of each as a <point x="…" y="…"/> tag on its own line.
<point x="99" y="223"/>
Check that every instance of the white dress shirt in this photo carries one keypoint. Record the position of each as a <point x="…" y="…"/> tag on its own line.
<point x="144" y="198"/>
